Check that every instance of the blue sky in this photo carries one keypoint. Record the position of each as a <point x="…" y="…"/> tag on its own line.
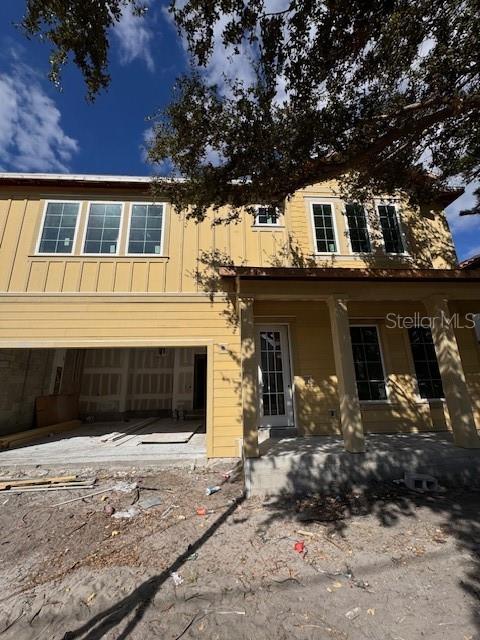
<point x="43" y="129"/>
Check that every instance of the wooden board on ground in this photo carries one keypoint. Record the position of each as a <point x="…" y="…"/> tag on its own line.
<point x="168" y="432"/>
<point x="22" y="437"/>
<point x="28" y="482"/>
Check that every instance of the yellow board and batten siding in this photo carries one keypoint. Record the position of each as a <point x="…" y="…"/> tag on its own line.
<point x="121" y="300"/>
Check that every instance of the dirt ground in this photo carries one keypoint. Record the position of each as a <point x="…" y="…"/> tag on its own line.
<point x="383" y="564"/>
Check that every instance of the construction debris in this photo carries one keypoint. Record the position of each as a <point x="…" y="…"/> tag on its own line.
<point x="210" y="490"/>
<point x="25" y="482"/>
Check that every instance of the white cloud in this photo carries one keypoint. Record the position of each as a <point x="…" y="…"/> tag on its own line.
<point x="134" y="38"/>
<point x="31" y="136"/>
<point x="462" y="224"/>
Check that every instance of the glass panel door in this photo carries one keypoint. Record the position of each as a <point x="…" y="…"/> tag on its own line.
<point x="274" y="377"/>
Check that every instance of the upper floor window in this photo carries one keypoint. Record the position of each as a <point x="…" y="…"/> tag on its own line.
<point x="146" y="229"/>
<point x="357" y="228"/>
<point x="267" y="216"/>
<point x="59" y="227"/>
<point x="103" y="228"/>
<point x="425" y="361"/>
<point x="324" y="229"/>
<point x="390" y="229"/>
<point x="368" y="362"/>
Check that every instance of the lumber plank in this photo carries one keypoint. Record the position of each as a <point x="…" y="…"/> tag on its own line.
<point x="32" y="434"/>
<point x="36" y="481"/>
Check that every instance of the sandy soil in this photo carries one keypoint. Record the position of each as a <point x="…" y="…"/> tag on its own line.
<point x="387" y="564"/>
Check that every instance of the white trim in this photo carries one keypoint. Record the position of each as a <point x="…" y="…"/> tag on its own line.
<point x="285" y="343"/>
<point x="331" y="202"/>
<point x="162" y="237"/>
<point x="120" y="226"/>
<point x="44" y="215"/>
<point x="86" y="177"/>
<point x="386" y="400"/>
<point x="383" y="202"/>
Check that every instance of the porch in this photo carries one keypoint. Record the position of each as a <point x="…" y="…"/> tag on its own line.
<point x="317" y="332"/>
<point x="289" y="466"/>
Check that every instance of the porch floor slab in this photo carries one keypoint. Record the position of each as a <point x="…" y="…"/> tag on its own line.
<point x="86" y="445"/>
<point x="304" y="465"/>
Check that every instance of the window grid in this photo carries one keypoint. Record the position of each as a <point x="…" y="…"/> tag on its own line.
<point x="266" y="216"/>
<point x="103" y="228"/>
<point x="425" y="362"/>
<point x="367" y="358"/>
<point x="146" y="224"/>
<point x="390" y="229"/>
<point x="357" y="228"/>
<point x="273" y="394"/>
<point x="59" y="226"/>
<point x="324" y="229"/>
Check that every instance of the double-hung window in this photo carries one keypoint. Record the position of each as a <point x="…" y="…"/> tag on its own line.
<point x="357" y="228"/>
<point x="368" y="363"/>
<point x="324" y="228"/>
<point x="103" y="228"/>
<point x="267" y="216"/>
<point x="425" y="361"/>
<point x="59" y="227"/>
<point x="146" y="229"/>
<point x="390" y="226"/>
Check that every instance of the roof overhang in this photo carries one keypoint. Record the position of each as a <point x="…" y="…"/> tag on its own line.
<point x="347" y="274"/>
<point x="76" y="180"/>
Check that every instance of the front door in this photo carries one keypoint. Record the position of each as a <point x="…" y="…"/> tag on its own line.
<point x="275" y="385"/>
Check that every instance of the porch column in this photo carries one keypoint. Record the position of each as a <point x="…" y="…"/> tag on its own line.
<point x="249" y="373"/>
<point x="350" y="414"/>
<point x="454" y="384"/>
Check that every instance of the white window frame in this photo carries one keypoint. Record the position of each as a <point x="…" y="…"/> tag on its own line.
<point x="260" y="225"/>
<point x="42" y="223"/>
<point x="395" y="204"/>
<point x="331" y="203"/>
<point x="120" y="227"/>
<point x="369" y="230"/>
<point x="162" y="239"/>
<point x="385" y="375"/>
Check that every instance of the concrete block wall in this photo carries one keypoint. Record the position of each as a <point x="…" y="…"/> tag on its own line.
<point x="24" y="375"/>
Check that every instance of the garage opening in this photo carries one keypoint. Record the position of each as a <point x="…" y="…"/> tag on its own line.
<point x="122" y="396"/>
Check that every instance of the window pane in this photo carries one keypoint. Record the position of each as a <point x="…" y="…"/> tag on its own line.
<point x="390" y="229"/>
<point x="323" y="225"/>
<point x="368" y="363"/>
<point x="357" y="227"/>
<point x="146" y="229"/>
<point x="103" y="228"/>
<point x="59" y="227"/>
<point x="425" y="362"/>
<point x="266" y="215"/>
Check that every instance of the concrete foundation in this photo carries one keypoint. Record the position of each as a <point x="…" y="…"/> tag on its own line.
<point x="320" y="464"/>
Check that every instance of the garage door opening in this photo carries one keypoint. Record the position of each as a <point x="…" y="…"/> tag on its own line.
<point x="125" y="398"/>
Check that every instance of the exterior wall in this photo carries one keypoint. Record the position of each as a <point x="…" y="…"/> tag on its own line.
<point x="190" y="248"/>
<point x="315" y="381"/>
<point x="25" y="374"/>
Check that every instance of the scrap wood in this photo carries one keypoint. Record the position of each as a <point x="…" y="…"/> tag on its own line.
<point x="25" y="482"/>
<point x="33" y="434"/>
<point x="50" y="488"/>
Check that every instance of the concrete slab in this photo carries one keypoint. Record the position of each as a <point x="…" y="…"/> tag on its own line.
<point x="85" y="446"/>
<point x="321" y="464"/>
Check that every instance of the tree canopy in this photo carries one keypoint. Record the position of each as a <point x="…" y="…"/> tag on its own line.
<point x="381" y="95"/>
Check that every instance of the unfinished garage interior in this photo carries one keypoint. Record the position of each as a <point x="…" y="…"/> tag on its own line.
<point x="110" y="397"/>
